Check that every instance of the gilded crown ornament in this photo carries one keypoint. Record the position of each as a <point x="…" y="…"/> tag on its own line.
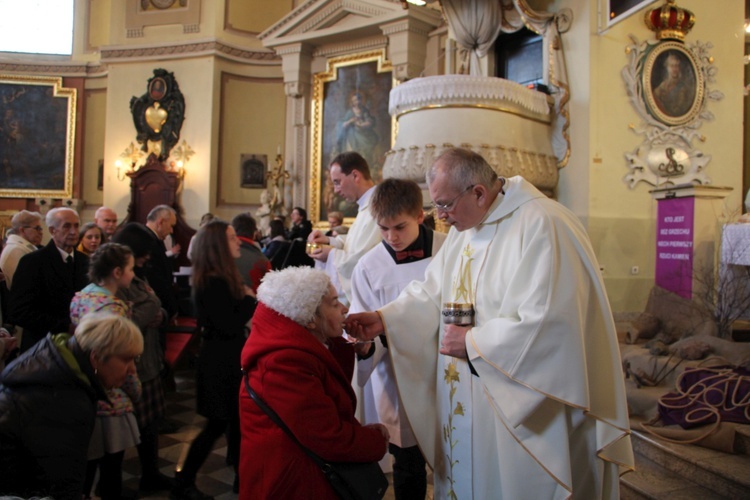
<point x="669" y="21"/>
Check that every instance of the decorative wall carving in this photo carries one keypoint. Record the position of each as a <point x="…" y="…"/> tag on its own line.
<point x="142" y="13"/>
<point x="188" y="50"/>
<point x="666" y="155"/>
<point x="158" y="114"/>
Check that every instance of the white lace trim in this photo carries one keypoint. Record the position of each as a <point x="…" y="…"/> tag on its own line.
<point x="464" y="89"/>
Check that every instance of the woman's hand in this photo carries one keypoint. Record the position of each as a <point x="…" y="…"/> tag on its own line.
<point x="382" y="430"/>
<point x="249" y="291"/>
<point x="363" y="348"/>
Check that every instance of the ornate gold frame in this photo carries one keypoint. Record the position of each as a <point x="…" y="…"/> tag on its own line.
<point x="650" y="61"/>
<point x="58" y="91"/>
<point x="319" y="81"/>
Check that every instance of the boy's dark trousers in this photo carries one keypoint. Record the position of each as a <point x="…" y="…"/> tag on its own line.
<point x="409" y="474"/>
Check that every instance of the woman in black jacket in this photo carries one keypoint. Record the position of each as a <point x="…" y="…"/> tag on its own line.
<point x="223" y="306"/>
<point x="301" y="227"/>
<point x="48" y="402"/>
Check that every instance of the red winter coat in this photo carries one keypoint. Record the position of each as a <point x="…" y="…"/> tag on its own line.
<point x="299" y="378"/>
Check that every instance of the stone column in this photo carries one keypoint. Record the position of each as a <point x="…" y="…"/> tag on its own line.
<point x="296" y="67"/>
<point x="407" y="45"/>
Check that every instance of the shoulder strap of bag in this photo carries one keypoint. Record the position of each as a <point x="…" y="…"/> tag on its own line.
<point x="277" y="420"/>
<point x="288" y="253"/>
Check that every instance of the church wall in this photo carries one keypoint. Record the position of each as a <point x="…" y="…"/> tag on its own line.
<point x="95" y="102"/>
<point x="254" y="16"/>
<point x="93" y="18"/>
<point x="252" y="121"/>
<point x="620" y="220"/>
<point x="208" y="111"/>
<point x="195" y="77"/>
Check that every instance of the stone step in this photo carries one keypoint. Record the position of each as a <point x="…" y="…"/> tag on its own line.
<point x="724" y="474"/>
<point x="651" y="481"/>
<point x="742" y="440"/>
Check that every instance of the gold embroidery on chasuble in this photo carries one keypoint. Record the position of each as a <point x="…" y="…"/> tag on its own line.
<point x="462" y="291"/>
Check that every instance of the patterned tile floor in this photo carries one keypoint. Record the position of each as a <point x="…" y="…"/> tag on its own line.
<point x="215" y="477"/>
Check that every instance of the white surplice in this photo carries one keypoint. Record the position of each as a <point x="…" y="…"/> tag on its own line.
<point x="547" y="416"/>
<point x="349" y="248"/>
<point x="376" y="281"/>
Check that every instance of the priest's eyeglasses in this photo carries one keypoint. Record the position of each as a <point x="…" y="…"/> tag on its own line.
<point x="447" y="207"/>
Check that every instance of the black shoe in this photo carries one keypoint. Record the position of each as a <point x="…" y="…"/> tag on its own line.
<point x="188" y="493"/>
<point x="157" y="482"/>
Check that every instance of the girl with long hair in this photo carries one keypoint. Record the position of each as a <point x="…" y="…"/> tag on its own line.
<point x="115" y="429"/>
<point x="90" y="237"/>
<point x="223" y="307"/>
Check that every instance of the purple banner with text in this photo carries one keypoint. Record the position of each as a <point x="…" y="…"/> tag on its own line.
<point x="674" y="245"/>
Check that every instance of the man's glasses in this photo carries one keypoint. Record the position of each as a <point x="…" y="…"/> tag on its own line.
<point x="447" y="207"/>
<point x="38" y="229"/>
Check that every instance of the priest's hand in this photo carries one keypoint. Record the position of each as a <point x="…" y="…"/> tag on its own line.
<point x="454" y="341"/>
<point x="364" y="325"/>
<point x="317" y="236"/>
<point x="321" y="253"/>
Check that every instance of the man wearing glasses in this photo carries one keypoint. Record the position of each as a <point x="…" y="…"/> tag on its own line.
<point x="25" y="238"/>
<point x="350" y="176"/>
<point x="523" y="397"/>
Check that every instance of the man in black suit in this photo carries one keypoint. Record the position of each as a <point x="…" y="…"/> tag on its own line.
<point x="159" y="271"/>
<point x="46" y="280"/>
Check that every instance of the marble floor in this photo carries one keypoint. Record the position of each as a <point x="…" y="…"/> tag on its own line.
<point x="215" y="477"/>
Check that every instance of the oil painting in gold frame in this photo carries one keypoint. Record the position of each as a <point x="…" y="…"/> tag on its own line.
<point x="37" y="137"/>
<point x="350" y="113"/>
<point x="673" y="83"/>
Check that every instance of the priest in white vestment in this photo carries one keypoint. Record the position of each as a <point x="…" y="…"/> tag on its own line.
<point x="350" y="176"/>
<point x="529" y="402"/>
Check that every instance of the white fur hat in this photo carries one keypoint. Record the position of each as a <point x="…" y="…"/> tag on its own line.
<point x="294" y="292"/>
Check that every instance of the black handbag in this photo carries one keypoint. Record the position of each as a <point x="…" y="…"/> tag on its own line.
<point x="350" y="480"/>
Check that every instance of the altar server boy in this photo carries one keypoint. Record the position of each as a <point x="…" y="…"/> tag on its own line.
<point x="378" y="278"/>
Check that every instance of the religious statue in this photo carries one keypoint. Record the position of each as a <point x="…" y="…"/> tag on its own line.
<point x="263" y="214"/>
<point x="278" y="176"/>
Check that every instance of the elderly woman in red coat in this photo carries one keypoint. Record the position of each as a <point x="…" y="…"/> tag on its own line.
<point x="289" y="365"/>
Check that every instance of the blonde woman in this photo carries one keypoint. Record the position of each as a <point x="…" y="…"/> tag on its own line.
<point x="48" y="401"/>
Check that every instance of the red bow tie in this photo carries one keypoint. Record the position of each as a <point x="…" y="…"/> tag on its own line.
<point x="417" y="254"/>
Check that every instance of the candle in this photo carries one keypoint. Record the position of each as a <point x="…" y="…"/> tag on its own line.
<point x="278" y="150"/>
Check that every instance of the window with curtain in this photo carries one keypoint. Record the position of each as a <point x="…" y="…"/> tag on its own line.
<point x="37" y="26"/>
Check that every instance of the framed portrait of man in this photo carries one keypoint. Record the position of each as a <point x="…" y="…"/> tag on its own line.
<point x="673" y="83"/>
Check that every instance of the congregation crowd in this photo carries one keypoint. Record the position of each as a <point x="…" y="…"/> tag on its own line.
<point x="523" y="400"/>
